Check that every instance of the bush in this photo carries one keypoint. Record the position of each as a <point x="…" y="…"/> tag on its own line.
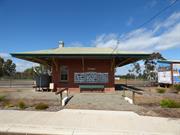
<point x="2" y="97"/>
<point x="161" y="90"/>
<point x="22" y="105"/>
<point x="7" y="104"/>
<point x="168" y="103"/>
<point x="41" y="106"/>
<point x="177" y="87"/>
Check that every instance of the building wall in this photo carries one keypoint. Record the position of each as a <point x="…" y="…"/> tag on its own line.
<point x="76" y="66"/>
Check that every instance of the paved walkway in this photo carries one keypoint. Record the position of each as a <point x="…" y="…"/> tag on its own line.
<point x="85" y="122"/>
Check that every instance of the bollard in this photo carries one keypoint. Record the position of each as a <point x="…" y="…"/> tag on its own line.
<point x="133" y="97"/>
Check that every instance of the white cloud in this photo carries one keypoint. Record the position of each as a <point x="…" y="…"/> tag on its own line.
<point x="5" y="55"/>
<point x="171" y="1"/>
<point x="130" y="21"/>
<point x="162" y="36"/>
<point x="21" y="65"/>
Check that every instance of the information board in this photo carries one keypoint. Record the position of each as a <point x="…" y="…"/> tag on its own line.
<point x="164" y="73"/>
<point x="91" y="77"/>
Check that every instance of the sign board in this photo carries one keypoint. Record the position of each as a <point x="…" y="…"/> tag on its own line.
<point x="176" y="73"/>
<point x="91" y="77"/>
<point x="164" y="73"/>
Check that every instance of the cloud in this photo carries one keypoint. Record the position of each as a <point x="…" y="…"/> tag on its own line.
<point x="21" y="65"/>
<point x="153" y="3"/>
<point x="130" y="21"/>
<point x="161" y="36"/>
<point x="5" y="55"/>
<point x="171" y="1"/>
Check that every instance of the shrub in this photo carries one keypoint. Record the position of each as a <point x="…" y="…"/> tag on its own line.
<point x="161" y="90"/>
<point x="168" y="103"/>
<point x="22" y="105"/>
<point x="2" y="97"/>
<point x="41" y="106"/>
<point x="177" y="87"/>
<point x="7" y="104"/>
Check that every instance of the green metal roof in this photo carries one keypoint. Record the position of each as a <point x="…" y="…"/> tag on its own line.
<point x="46" y="56"/>
<point x="78" y="51"/>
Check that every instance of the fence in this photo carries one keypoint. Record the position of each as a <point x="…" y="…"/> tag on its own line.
<point x="136" y="82"/>
<point x="16" y="83"/>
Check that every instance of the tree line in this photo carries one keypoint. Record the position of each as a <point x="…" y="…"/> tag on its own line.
<point x="8" y="70"/>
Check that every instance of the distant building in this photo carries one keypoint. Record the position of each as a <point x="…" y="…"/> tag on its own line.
<point x="82" y="68"/>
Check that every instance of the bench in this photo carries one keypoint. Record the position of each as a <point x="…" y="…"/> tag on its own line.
<point x="91" y="87"/>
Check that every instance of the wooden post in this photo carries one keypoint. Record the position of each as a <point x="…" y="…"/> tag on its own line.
<point x="126" y="80"/>
<point x="112" y="64"/>
<point x="172" y="79"/>
<point x="10" y="82"/>
<point x="55" y="63"/>
<point x="124" y="92"/>
<point x="83" y="64"/>
<point x="61" y="98"/>
<point x="67" y="93"/>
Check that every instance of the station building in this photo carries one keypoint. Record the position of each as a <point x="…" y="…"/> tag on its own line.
<point x="82" y="68"/>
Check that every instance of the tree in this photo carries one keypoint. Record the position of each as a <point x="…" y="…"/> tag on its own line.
<point x="9" y="68"/>
<point x="28" y="73"/>
<point x="150" y="72"/>
<point x="136" y="70"/>
<point x="1" y="66"/>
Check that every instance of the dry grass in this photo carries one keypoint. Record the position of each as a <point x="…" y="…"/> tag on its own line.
<point x="41" y="106"/>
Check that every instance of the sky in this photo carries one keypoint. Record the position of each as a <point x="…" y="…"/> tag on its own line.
<point x="27" y="25"/>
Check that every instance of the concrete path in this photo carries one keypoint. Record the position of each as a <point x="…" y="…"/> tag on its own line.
<point x="85" y="122"/>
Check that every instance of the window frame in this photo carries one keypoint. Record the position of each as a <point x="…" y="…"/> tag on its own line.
<point x="61" y="73"/>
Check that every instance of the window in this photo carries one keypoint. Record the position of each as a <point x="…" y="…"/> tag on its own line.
<point x="63" y="74"/>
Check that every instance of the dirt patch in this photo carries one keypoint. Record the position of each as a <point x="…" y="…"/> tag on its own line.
<point x="160" y="112"/>
<point x="29" y="97"/>
<point x="151" y="99"/>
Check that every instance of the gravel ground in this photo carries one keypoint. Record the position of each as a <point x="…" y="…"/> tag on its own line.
<point x="101" y="101"/>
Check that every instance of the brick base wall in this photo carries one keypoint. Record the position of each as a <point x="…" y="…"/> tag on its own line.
<point x="77" y="90"/>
